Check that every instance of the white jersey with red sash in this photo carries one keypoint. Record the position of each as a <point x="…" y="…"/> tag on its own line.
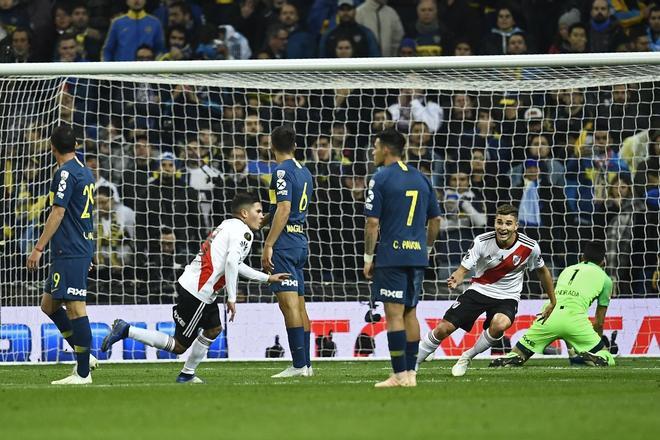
<point x="499" y="272"/>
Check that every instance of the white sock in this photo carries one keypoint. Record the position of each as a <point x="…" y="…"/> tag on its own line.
<point x="484" y="342"/>
<point x="152" y="338"/>
<point x="198" y="351"/>
<point x="432" y="339"/>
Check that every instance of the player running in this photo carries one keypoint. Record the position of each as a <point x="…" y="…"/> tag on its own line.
<point x="499" y="259"/>
<point x="218" y="265"/>
<point x="400" y="202"/>
<point x="70" y="225"/>
<point x="577" y="287"/>
<point x="285" y="249"/>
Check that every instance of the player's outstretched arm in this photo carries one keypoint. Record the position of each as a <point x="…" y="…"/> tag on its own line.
<point x="601" y="311"/>
<point x="432" y="231"/>
<point x="457" y="277"/>
<point x="545" y="277"/>
<point x="370" y="238"/>
<point x="279" y="222"/>
<point x="52" y="223"/>
<point x="250" y="273"/>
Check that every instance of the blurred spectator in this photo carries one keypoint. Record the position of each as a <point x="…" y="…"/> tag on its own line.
<point x="463" y="49"/>
<point x="162" y="268"/>
<point x="640" y="42"/>
<point x="202" y="177"/>
<point x="605" y="33"/>
<point x="420" y="148"/>
<point x="577" y="39"/>
<point x="180" y="13"/>
<point x="264" y="164"/>
<point x="380" y="121"/>
<point x="68" y="50"/>
<point x="13" y="15"/>
<point x="276" y="42"/>
<point x="89" y="39"/>
<point x="178" y="46"/>
<point x="653" y="29"/>
<point x="540" y="151"/>
<point x="92" y="162"/>
<point x="116" y="229"/>
<point x="128" y="32"/>
<point x="20" y="49"/>
<point x="170" y="202"/>
<point x="363" y="40"/>
<point x="571" y="114"/>
<point x="432" y="36"/>
<point x="617" y="218"/>
<point x="225" y="43"/>
<point x="300" y="43"/>
<point x="385" y="24"/>
<point x="236" y="178"/>
<point x="145" y="53"/>
<point x="413" y="106"/>
<point x="135" y="177"/>
<point x="629" y="12"/>
<point x="408" y="48"/>
<point x="344" y="48"/>
<point x="516" y="44"/>
<point x="495" y="43"/>
<point x="623" y="111"/>
<point x="566" y="20"/>
<point x="635" y="150"/>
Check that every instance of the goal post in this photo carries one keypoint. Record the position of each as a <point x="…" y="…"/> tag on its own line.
<point x="571" y="140"/>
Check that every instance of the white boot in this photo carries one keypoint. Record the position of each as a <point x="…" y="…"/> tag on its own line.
<point x="291" y="372"/>
<point x="74" y="379"/>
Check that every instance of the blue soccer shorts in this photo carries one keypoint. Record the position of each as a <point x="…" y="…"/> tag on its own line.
<point x="400" y="285"/>
<point x="290" y="261"/>
<point x="67" y="280"/>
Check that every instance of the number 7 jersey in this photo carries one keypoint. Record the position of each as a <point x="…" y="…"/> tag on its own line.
<point x="72" y="188"/>
<point x="403" y="200"/>
<point x="291" y="182"/>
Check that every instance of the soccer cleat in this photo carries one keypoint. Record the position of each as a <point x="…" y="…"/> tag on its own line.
<point x="74" y="379"/>
<point x="93" y="364"/>
<point x="188" y="378"/>
<point x="460" y="367"/>
<point x="425" y="350"/>
<point x="309" y="371"/>
<point x="395" y="380"/>
<point x="118" y="331"/>
<point x="291" y="372"/>
<point x="593" y="360"/>
<point x="507" y="361"/>
<point x="412" y="378"/>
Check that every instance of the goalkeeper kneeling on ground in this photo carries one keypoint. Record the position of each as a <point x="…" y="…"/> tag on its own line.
<point x="577" y="287"/>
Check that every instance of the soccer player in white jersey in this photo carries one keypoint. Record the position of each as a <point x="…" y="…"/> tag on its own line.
<point x="218" y="265"/>
<point x="499" y="259"/>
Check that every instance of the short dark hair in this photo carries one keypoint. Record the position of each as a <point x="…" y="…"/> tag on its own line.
<point x="507" y="209"/>
<point x="63" y="139"/>
<point x="104" y="191"/>
<point x="394" y="140"/>
<point x="283" y="139"/>
<point x="577" y="26"/>
<point x="64" y="37"/>
<point x="241" y="199"/>
<point x="593" y="251"/>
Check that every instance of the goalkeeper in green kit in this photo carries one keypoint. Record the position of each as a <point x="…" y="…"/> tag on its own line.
<point x="577" y="287"/>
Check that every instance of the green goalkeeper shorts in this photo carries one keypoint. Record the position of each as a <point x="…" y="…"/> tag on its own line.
<point x="574" y="328"/>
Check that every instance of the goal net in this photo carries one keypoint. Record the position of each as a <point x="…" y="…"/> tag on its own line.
<point x="573" y="142"/>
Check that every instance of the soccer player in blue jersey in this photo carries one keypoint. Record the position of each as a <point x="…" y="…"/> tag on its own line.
<point x="285" y="248"/>
<point x="400" y="204"/>
<point x="69" y="229"/>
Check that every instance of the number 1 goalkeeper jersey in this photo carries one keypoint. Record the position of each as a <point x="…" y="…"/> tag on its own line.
<point x="580" y="284"/>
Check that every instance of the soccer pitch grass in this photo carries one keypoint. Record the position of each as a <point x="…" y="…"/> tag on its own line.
<point x="546" y="399"/>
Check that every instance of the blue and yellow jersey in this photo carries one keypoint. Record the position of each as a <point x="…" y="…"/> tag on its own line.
<point x="402" y="198"/>
<point x="292" y="182"/>
<point x="73" y="189"/>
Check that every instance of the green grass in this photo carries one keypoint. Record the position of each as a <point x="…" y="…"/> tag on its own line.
<point x="546" y="399"/>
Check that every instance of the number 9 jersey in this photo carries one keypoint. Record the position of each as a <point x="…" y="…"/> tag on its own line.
<point x="72" y="188"/>
<point x="291" y="182"/>
<point x="403" y="199"/>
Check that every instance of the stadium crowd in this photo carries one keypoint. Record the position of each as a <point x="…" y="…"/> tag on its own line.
<point x="578" y="163"/>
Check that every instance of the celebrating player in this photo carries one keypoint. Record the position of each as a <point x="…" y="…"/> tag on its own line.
<point x="285" y="249"/>
<point x="70" y="225"/>
<point x="218" y="265"/>
<point x="400" y="202"/>
<point x="499" y="259"/>
<point x="577" y="287"/>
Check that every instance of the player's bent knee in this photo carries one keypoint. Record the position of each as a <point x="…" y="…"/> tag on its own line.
<point x="499" y="324"/>
<point x="212" y="333"/>
<point x="444" y="329"/>
<point x="179" y="348"/>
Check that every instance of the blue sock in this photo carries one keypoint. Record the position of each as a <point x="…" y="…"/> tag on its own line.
<point x="297" y="346"/>
<point x="308" y="354"/>
<point x="397" y="343"/>
<point x="82" y="335"/>
<point x="411" y="354"/>
<point x="63" y="324"/>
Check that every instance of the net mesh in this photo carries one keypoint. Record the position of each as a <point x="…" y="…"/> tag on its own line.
<point x="574" y="148"/>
